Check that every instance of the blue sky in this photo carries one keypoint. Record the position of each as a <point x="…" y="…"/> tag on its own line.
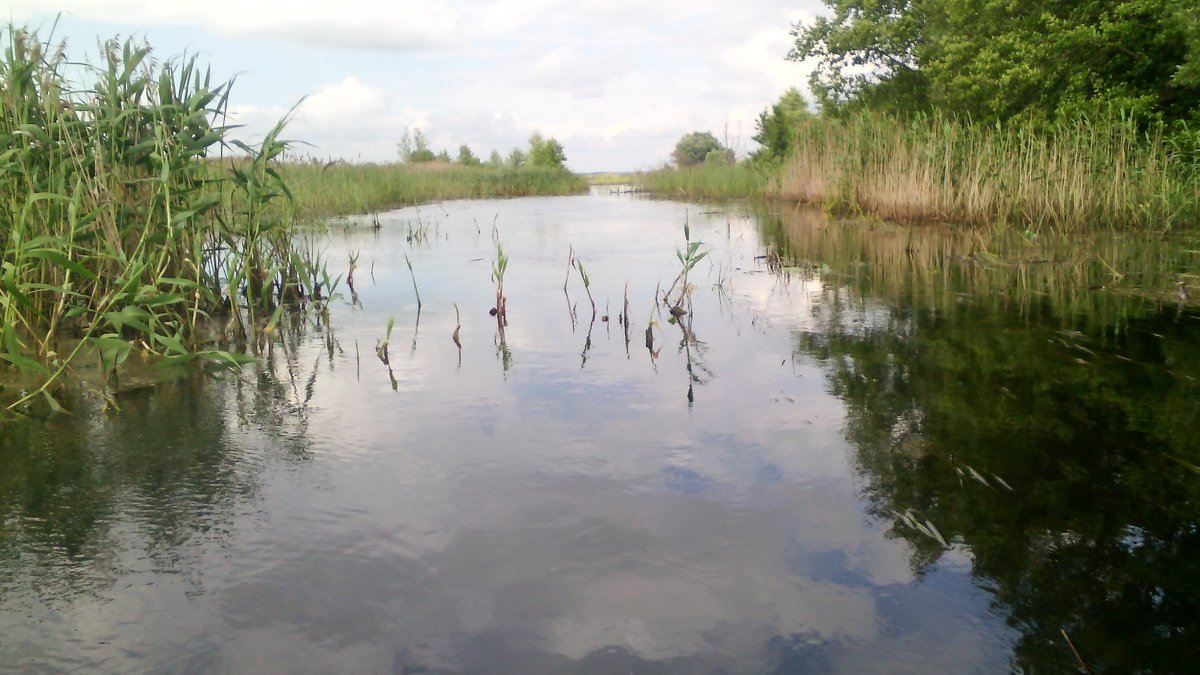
<point x="617" y="82"/>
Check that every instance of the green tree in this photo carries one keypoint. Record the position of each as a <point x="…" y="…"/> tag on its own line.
<point x="466" y="157"/>
<point x="776" y="126"/>
<point x="546" y="152"/>
<point x="495" y="159"/>
<point x="443" y="156"/>
<point x="517" y="158"/>
<point x="414" y="148"/>
<point x="695" y="147"/>
<point x="998" y="59"/>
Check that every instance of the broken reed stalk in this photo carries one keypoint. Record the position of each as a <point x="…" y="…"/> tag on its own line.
<point x="570" y="262"/>
<point x="381" y="347"/>
<point x="457" y="327"/>
<point x="587" y="285"/>
<point x="350" y="273"/>
<point x="414" y="280"/>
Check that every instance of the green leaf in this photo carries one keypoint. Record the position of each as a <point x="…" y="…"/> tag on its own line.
<point x="58" y="258"/>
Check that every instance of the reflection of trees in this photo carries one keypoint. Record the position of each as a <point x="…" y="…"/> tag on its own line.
<point x="77" y="490"/>
<point x="1100" y="534"/>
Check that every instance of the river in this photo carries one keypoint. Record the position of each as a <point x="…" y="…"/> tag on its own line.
<point x="858" y="450"/>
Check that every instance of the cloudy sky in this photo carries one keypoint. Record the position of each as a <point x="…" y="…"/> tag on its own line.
<point x="616" y="81"/>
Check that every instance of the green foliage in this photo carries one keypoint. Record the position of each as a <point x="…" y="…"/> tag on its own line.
<point x="776" y="126"/>
<point x="516" y="159"/>
<point x="415" y="149"/>
<point x="495" y="160"/>
<point x="115" y="227"/>
<point x="694" y="148"/>
<point x="546" y="152"/>
<point x="995" y="60"/>
<point x="466" y="157"/>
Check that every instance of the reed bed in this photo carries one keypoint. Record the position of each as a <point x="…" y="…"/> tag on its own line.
<point x="1081" y="174"/>
<point x="117" y="236"/>
<point x="322" y="190"/>
<point x="710" y="181"/>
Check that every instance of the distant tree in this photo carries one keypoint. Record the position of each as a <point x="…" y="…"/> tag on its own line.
<point x="495" y="159"/>
<point x="694" y="148"/>
<point x="517" y="158"/>
<point x="722" y="156"/>
<point x="443" y="156"/>
<point x="466" y="157"/>
<point x="414" y="149"/>
<point x="777" y="125"/>
<point x="546" y="152"/>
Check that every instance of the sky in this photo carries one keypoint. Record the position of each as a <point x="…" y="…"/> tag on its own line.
<point x="617" y="82"/>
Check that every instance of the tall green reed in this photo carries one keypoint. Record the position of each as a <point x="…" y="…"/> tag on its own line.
<point x="1031" y="176"/>
<point x="120" y="234"/>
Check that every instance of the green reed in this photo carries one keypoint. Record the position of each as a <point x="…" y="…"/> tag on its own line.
<point x="118" y="234"/>
<point x="329" y="189"/>
<point x="1078" y="174"/>
<point x="710" y="181"/>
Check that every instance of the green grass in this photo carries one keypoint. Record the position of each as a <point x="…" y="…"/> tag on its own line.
<point x="609" y="178"/>
<point x="709" y="181"/>
<point x="118" y="237"/>
<point x="324" y="190"/>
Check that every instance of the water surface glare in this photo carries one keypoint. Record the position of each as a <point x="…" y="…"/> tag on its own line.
<point x="798" y="477"/>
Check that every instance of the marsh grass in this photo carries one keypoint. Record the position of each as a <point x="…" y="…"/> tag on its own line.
<point x="118" y="236"/>
<point x="323" y="190"/>
<point x="710" y="181"/>
<point x="1077" y="175"/>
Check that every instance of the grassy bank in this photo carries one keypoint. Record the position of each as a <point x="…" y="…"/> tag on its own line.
<point x="324" y="190"/>
<point x="1064" y="177"/>
<point x="118" y="236"/>
<point x="710" y="181"/>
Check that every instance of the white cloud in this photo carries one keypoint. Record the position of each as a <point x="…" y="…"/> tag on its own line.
<point x="617" y="82"/>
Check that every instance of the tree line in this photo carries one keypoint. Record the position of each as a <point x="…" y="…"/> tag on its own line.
<point x="992" y="62"/>
<point x="414" y="148"/>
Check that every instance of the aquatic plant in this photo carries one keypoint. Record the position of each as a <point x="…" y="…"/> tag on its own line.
<point x="499" y="268"/>
<point x="121" y="232"/>
<point x="381" y="345"/>
<point x="414" y="281"/>
<point x="688" y="256"/>
<point x="587" y="285"/>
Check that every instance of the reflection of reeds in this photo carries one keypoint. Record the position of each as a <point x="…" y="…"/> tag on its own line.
<point x="414" y="280"/>
<point x="1095" y="276"/>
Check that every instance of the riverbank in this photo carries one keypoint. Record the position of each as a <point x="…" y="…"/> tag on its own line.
<point x="322" y="191"/>
<point x="1065" y="177"/>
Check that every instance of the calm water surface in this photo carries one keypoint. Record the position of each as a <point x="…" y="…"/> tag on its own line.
<point x="844" y="460"/>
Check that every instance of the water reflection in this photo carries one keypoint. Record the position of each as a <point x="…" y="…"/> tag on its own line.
<point x="1050" y="433"/>
<point x="532" y="497"/>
